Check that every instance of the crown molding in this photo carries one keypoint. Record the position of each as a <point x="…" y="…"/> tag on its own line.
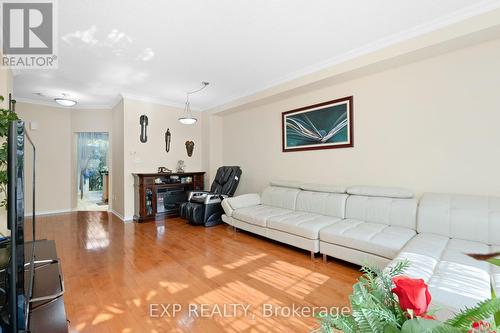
<point x="476" y="10"/>
<point x="55" y="105"/>
<point x="154" y="100"/>
<point x="366" y="55"/>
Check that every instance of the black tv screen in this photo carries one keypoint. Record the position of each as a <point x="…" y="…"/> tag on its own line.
<point x="19" y="289"/>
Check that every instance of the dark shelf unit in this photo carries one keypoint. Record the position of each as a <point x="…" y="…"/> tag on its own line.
<point x="159" y="195"/>
<point x="47" y="315"/>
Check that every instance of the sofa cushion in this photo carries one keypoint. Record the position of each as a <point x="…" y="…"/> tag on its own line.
<point x="258" y="215"/>
<point x="282" y="197"/>
<point x="375" y="238"/>
<point x="455" y="280"/>
<point x="323" y="188"/>
<point x="458" y="280"/>
<point x="389" y="211"/>
<point x="475" y="218"/>
<point x="331" y="204"/>
<point x="301" y="224"/>
<point x="380" y="191"/>
<point x="424" y="252"/>
<point x="495" y="271"/>
<point x="241" y="201"/>
<point x="286" y="183"/>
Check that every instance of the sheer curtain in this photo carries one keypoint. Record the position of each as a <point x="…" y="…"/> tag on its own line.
<point x="92" y="155"/>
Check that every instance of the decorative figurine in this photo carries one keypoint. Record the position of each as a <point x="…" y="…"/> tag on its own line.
<point x="164" y="170"/>
<point x="189" y="148"/>
<point x="180" y="166"/>
<point x="168" y="138"/>
<point x="144" y="124"/>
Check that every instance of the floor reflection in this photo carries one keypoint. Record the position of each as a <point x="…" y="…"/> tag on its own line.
<point x="114" y="271"/>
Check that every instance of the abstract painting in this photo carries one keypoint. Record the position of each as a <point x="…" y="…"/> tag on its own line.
<point x="320" y="126"/>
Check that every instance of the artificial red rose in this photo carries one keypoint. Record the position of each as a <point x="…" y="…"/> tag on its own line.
<point x="413" y="294"/>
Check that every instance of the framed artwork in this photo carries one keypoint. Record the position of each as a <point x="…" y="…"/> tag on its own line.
<point x="321" y="126"/>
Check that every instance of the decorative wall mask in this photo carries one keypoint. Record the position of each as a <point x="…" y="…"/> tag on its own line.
<point x="144" y="125"/>
<point x="168" y="138"/>
<point x="190" y="148"/>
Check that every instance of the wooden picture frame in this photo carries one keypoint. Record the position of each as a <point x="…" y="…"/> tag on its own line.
<point x="326" y="125"/>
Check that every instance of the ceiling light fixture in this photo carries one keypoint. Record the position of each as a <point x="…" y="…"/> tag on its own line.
<point x="188" y="118"/>
<point x="64" y="101"/>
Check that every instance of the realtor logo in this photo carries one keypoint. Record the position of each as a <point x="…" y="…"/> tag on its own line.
<point x="28" y="34"/>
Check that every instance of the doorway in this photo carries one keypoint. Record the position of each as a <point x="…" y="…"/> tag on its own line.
<point x="92" y="174"/>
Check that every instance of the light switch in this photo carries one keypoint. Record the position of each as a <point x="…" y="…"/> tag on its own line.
<point x="33" y="125"/>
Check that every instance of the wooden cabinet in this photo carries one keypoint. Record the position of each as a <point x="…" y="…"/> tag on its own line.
<point x="159" y="195"/>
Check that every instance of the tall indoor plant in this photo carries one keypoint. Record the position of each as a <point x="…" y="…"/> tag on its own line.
<point x="6" y="116"/>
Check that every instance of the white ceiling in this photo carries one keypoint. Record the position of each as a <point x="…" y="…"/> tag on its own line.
<point x="157" y="50"/>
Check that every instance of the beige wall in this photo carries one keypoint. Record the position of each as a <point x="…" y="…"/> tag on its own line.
<point x="432" y="125"/>
<point x="117" y="195"/>
<point x="56" y="148"/>
<point x="53" y="164"/>
<point x="147" y="157"/>
<point x="212" y="142"/>
<point x="56" y="151"/>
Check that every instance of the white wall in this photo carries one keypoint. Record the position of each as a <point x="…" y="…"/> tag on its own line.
<point x="147" y="157"/>
<point x="432" y="125"/>
<point x="117" y="192"/>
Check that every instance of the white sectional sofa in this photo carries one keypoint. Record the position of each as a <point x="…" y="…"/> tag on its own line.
<point x="379" y="222"/>
<point x="449" y="226"/>
<point x="288" y="212"/>
<point x="381" y="226"/>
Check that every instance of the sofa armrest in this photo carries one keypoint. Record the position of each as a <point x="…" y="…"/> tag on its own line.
<point x="241" y="201"/>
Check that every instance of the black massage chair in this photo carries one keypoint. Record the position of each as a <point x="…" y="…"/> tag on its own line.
<point x="204" y="208"/>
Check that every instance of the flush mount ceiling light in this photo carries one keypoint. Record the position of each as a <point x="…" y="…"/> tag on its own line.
<point x="64" y="101"/>
<point x="188" y="118"/>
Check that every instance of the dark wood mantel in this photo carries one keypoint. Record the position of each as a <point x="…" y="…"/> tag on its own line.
<point x="158" y="195"/>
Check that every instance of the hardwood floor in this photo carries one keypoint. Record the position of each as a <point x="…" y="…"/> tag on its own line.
<point x="116" y="272"/>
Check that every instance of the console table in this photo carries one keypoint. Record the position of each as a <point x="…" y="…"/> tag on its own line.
<point x="159" y="195"/>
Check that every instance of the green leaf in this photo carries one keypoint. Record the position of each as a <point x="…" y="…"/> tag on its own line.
<point x="6" y="116"/>
<point x="494" y="261"/>
<point x="419" y="325"/>
<point x="391" y="329"/>
<point x="482" y="311"/>
<point x="496" y="316"/>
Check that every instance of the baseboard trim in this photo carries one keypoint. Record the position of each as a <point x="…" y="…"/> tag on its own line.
<point x="121" y="217"/>
<point x="50" y="212"/>
<point x="66" y="211"/>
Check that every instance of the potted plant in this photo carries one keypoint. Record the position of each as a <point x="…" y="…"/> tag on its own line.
<point x="388" y="302"/>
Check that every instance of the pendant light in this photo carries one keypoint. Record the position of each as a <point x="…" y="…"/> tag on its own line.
<point x="188" y="118"/>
